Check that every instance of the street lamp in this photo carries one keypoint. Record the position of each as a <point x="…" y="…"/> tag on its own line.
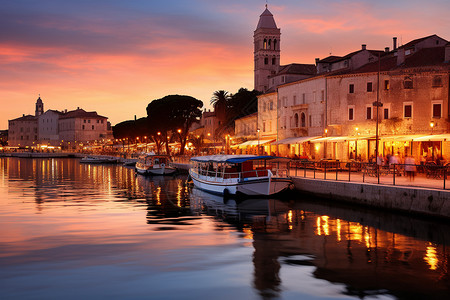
<point x="432" y="124"/>
<point x="257" y="130"/>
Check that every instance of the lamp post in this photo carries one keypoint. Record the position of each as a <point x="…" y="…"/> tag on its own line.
<point x="257" y="130"/>
<point x="432" y="124"/>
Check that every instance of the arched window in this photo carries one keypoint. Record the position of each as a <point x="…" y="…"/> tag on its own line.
<point x="274" y="44"/>
<point x="296" y="120"/>
<point x="266" y="60"/>
<point x="270" y="41"/>
<point x="274" y="60"/>
<point x="303" y="120"/>
<point x="265" y="44"/>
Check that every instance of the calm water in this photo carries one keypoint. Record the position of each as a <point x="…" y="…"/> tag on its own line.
<point x="73" y="231"/>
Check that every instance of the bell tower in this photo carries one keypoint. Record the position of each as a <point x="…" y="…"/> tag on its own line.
<point x="266" y="39"/>
<point x="39" y="107"/>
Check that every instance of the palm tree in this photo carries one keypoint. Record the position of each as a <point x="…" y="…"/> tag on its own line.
<point x="219" y="101"/>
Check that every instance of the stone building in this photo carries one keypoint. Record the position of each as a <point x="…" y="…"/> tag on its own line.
<point x="329" y="110"/>
<point x="82" y="126"/>
<point x="57" y="128"/>
<point x="23" y="131"/>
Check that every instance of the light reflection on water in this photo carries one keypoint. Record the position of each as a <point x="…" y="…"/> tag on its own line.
<point x="99" y="231"/>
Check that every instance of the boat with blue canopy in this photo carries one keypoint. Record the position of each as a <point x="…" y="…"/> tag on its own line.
<point x="251" y="175"/>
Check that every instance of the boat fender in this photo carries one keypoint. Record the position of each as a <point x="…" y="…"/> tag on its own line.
<point x="163" y="165"/>
<point x="226" y="194"/>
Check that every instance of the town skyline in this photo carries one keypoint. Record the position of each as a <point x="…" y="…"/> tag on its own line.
<point x="114" y="58"/>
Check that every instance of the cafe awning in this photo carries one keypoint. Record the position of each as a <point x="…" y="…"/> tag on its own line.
<point x="433" y="138"/>
<point x="253" y="143"/>
<point x="343" y="138"/>
<point x="296" y="140"/>
<point x="400" y="138"/>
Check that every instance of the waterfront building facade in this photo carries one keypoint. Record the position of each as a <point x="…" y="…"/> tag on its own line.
<point x="57" y="128"/>
<point x="82" y="126"/>
<point x="331" y="113"/>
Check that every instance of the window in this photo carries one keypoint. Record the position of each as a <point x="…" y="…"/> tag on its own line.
<point x="314" y="97"/>
<point x="386" y="85"/>
<point x="385" y="113"/>
<point x="271" y="105"/>
<point x="322" y="95"/>
<point x="408" y="83"/>
<point x="310" y="121"/>
<point x="296" y="120"/>
<point x="303" y="120"/>
<point x="266" y="60"/>
<point x="350" y="113"/>
<point x="368" y="112"/>
<point x="274" y="60"/>
<point x="295" y="100"/>
<point x="283" y="79"/>
<point x="369" y="87"/>
<point x="274" y="44"/>
<point x="264" y="126"/>
<point x="407" y="110"/>
<point x="437" y="110"/>
<point x="265" y="44"/>
<point x="437" y="81"/>
<point x="84" y="121"/>
<point x="89" y="121"/>
<point x="351" y="88"/>
<point x="303" y="98"/>
<point x="83" y="127"/>
<point x="92" y="127"/>
<point x="264" y="106"/>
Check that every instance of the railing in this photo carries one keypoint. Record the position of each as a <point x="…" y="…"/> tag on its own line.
<point x="424" y="175"/>
<point x="222" y="177"/>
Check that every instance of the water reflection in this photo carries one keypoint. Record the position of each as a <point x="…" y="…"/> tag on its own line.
<point x="57" y="214"/>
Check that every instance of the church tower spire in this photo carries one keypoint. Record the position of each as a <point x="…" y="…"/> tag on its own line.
<point x="266" y="53"/>
<point x="39" y="107"/>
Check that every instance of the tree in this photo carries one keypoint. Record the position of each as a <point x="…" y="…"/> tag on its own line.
<point x="197" y="142"/>
<point x="220" y="101"/>
<point x="173" y="115"/>
<point x="241" y="104"/>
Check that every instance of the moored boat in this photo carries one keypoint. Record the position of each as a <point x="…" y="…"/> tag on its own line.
<point x="99" y="160"/>
<point x="151" y="164"/>
<point x="249" y="175"/>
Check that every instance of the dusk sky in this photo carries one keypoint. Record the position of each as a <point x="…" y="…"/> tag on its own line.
<point x="115" y="56"/>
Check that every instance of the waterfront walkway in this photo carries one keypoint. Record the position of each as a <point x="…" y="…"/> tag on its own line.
<point x="420" y="180"/>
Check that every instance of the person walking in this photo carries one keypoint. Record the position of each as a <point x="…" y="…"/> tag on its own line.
<point x="410" y="167"/>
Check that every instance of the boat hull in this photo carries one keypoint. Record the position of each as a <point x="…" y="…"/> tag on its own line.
<point x="258" y="186"/>
<point x="156" y="171"/>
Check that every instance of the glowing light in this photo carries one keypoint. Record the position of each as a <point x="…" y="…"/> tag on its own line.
<point x="290" y="219"/>
<point x="431" y="257"/>
<point x="338" y="229"/>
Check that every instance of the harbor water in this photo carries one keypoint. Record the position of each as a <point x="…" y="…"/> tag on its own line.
<point x="80" y="231"/>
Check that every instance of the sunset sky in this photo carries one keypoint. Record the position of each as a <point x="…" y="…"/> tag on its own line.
<point x="115" y="56"/>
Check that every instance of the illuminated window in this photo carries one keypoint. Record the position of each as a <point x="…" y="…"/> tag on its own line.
<point x="386" y="85"/>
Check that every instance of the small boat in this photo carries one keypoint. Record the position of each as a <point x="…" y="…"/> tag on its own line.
<point x="250" y="175"/>
<point x="151" y="164"/>
<point x="130" y="162"/>
<point x="99" y="160"/>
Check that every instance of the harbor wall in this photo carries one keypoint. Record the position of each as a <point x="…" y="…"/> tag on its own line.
<point x="419" y="201"/>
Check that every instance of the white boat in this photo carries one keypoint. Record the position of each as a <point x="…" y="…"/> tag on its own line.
<point x="151" y="164"/>
<point x="99" y="160"/>
<point x="249" y="175"/>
